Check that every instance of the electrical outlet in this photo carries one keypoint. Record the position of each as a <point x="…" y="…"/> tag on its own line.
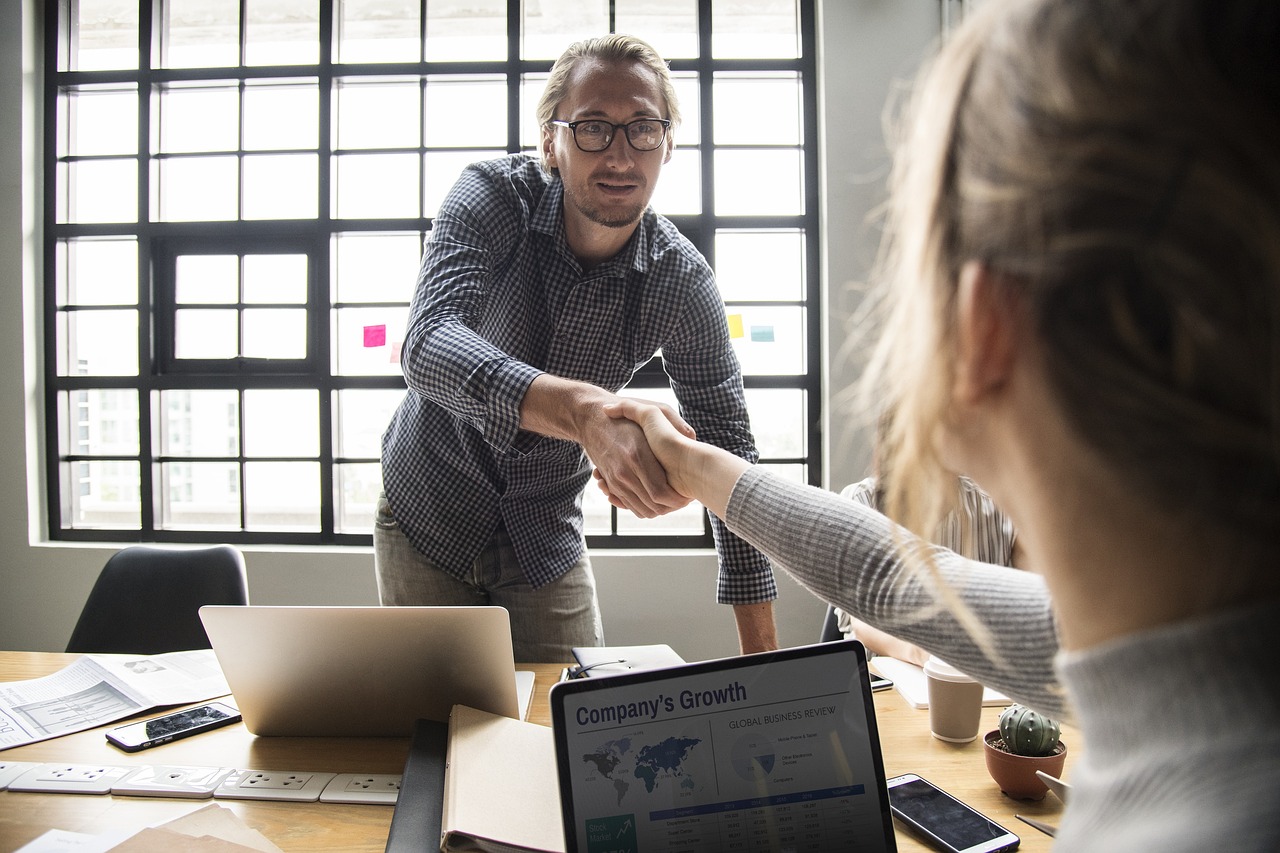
<point x="70" y="778"/>
<point x="362" y="788"/>
<point x="168" y="780"/>
<point x="10" y="770"/>
<point x="295" y="786"/>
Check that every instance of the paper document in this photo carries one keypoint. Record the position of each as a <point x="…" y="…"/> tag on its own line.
<point x="501" y="793"/>
<point x="99" y="689"/>
<point x="910" y="681"/>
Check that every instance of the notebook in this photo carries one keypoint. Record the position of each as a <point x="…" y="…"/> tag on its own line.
<point x="772" y="751"/>
<point x="362" y="671"/>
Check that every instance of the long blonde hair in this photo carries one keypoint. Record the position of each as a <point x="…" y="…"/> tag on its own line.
<point x="1118" y="163"/>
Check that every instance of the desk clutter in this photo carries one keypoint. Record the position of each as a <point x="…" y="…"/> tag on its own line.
<point x="197" y="782"/>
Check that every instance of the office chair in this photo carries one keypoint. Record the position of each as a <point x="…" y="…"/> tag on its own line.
<point x="830" y="626"/>
<point x="146" y="600"/>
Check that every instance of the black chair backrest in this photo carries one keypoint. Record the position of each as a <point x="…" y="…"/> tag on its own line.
<point x="147" y="599"/>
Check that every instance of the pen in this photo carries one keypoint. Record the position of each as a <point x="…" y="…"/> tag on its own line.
<point x="1038" y="824"/>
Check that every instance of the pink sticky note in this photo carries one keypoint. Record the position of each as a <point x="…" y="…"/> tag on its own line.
<point x="395" y="352"/>
<point x="375" y="336"/>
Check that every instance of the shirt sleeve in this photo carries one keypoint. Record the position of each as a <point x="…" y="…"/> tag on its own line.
<point x="444" y="359"/>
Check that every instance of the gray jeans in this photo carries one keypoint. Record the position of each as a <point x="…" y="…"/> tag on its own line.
<point x="546" y="623"/>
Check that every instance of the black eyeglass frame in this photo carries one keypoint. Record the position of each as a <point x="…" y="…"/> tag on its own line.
<point x="613" y="130"/>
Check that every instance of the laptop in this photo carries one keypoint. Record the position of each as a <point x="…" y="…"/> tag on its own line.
<point x="772" y="751"/>
<point x="362" y="671"/>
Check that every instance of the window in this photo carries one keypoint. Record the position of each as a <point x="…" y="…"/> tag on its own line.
<point x="237" y="192"/>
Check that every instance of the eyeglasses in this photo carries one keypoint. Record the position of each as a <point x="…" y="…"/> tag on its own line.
<point x="592" y="135"/>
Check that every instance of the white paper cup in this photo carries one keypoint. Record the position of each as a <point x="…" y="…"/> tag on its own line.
<point x="955" y="702"/>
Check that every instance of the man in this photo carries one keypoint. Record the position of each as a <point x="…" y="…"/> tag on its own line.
<point x="543" y="287"/>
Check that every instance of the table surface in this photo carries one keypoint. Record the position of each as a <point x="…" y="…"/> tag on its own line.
<point x="905" y="742"/>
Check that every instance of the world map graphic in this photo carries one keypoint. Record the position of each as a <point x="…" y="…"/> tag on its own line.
<point x="653" y="764"/>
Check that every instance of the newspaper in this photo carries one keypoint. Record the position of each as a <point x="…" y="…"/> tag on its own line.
<point x="100" y="689"/>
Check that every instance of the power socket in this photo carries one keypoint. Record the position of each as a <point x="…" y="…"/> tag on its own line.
<point x="10" y="770"/>
<point x="296" y="786"/>
<point x="362" y="788"/>
<point x="168" y="780"/>
<point x="70" y="779"/>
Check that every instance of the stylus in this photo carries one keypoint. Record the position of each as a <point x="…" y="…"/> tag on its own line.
<point x="1038" y="824"/>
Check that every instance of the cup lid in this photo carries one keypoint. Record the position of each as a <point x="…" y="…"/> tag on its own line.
<point x="936" y="667"/>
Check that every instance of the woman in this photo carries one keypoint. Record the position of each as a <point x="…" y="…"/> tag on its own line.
<point x="1084" y="280"/>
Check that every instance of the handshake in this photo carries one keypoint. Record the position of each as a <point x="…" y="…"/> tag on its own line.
<point x="638" y="449"/>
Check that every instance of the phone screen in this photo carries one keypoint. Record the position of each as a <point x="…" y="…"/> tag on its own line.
<point x="944" y="816"/>
<point x="173" y="725"/>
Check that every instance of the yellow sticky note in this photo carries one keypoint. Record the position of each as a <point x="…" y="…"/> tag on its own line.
<point x="735" y="325"/>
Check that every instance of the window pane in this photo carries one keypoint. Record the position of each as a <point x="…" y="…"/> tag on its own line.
<point x="552" y="25"/>
<point x="690" y="130"/>
<point x="358" y="489"/>
<point x="362" y="416"/>
<point x="757" y="109"/>
<point x="207" y="279"/>
<point x="103" y="34"/>
<point x="206" y="334"/>
<point x="597" y="516"/>
<point x="281" y="186"/>
<point x="199" y="423"/>
<point x="768" y="28"/>
<point x="199" y="118"/>
<point x="683" y="522"/>
<point x="795" y="473"/>
<point x="281" y="32"/>
<point x="778" y="421"/>
<point x="98" y="343"/>
<point x="378" y="31"/>
<point x="768" y="341"/>
<point x="476" y="29"/>
<point x="195" y="189"/>
<point x="280" y="116"/>
<point x="531" y="86"/>
<point x="367" y="341"/>
<point x="275" y="333"/>
<point x="199" y="496"/>
<point x="282" y="495"/>
<point x="281" y="422"/>
<point x="275" y="278"/>
<point x="375" y="267"/>
<point x="98" y="422"/>
<point x="463" y="111"/>
<point x="200" y="34"/>
<point x="102" y="120"/>
<point x="102" y="495"/>
<point x="375" y="186"/>
<point x="759" y="182"/>
<point x="98" y="272"/>
<point x="99" y="191"/>
<point x="679" y="190"/>
<point x="760" y="265"/>
<point x="382" y="114"/>
<point x="442" y="169"/>
<point x="671" y="26"/>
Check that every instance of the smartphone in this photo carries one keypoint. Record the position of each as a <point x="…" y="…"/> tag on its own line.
<point x="942" y="821"/>
<point x="148" y="733"/>
<point x="879" y="682"/>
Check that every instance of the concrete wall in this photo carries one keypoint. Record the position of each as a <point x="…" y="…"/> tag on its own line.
<point x="646" y="597"/>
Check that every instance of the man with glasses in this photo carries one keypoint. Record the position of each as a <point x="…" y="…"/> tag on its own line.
<point x="544" y="286"/>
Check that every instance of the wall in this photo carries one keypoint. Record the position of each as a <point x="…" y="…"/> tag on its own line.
<point x="645" y="596"/>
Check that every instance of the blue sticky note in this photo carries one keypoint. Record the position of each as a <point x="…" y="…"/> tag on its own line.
<point x="762" y="334"/>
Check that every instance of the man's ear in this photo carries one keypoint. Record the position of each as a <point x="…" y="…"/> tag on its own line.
<point x="987" y="332"/>
<point x="671" y="146"/>
<point x="548" y="146"/>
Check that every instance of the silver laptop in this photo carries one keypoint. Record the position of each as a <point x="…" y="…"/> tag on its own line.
<point x="361" y="671"/>
<point x="772" y="751"/>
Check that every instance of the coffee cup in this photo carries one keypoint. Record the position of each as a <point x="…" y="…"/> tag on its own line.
<point x="955" y="702"/>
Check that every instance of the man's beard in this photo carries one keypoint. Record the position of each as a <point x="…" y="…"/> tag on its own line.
<point x="612" y="218"/>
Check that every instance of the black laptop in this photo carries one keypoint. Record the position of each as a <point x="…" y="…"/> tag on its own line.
<point x="774" y="751"/>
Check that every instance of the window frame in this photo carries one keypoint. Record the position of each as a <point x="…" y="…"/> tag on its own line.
<point x="158" y="241"/>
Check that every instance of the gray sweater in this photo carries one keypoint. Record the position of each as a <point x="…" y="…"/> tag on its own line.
<point x="1181" y="725"/>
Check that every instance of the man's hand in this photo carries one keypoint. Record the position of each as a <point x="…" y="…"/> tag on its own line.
<point x="626" y="468"/>
<point x="756" y="629"/>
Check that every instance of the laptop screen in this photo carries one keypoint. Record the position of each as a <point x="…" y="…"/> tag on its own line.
<point x="773" y="751"/>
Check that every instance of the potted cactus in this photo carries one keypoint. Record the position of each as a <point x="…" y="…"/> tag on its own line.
<point x="1024" y="743"/>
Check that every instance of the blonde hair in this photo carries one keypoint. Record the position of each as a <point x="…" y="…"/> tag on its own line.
<point x="610" y="48"/>
<point x="1116" y="164"/>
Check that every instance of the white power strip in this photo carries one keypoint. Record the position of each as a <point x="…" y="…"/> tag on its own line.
<point x="69" y="779"/>
<point x="168" y="780"/>
<point x="10" y="770"/>
<point x="295" y="786"/>
<point x="362" y="788"/>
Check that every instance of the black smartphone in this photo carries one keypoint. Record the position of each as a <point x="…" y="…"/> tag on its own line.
<point x="148" y="733"/>
<point x="943" y="822"/>
<point x="879" y="682"/>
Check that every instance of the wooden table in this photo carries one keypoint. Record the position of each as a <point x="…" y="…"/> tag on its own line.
<point x="904" y="735"/>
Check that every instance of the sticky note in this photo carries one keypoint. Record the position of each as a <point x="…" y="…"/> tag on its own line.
<point x="735" y="325"/>
<point x="762" y="334"/>
<point x="375" y="336"/>
<point x="395" y="352"/>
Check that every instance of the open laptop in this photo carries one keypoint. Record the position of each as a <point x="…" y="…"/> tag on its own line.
<point x="362" y="671"/>
<point x="772" y="751"/>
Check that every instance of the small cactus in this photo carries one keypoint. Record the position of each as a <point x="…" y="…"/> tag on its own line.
<point x="1027" y="733"/>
